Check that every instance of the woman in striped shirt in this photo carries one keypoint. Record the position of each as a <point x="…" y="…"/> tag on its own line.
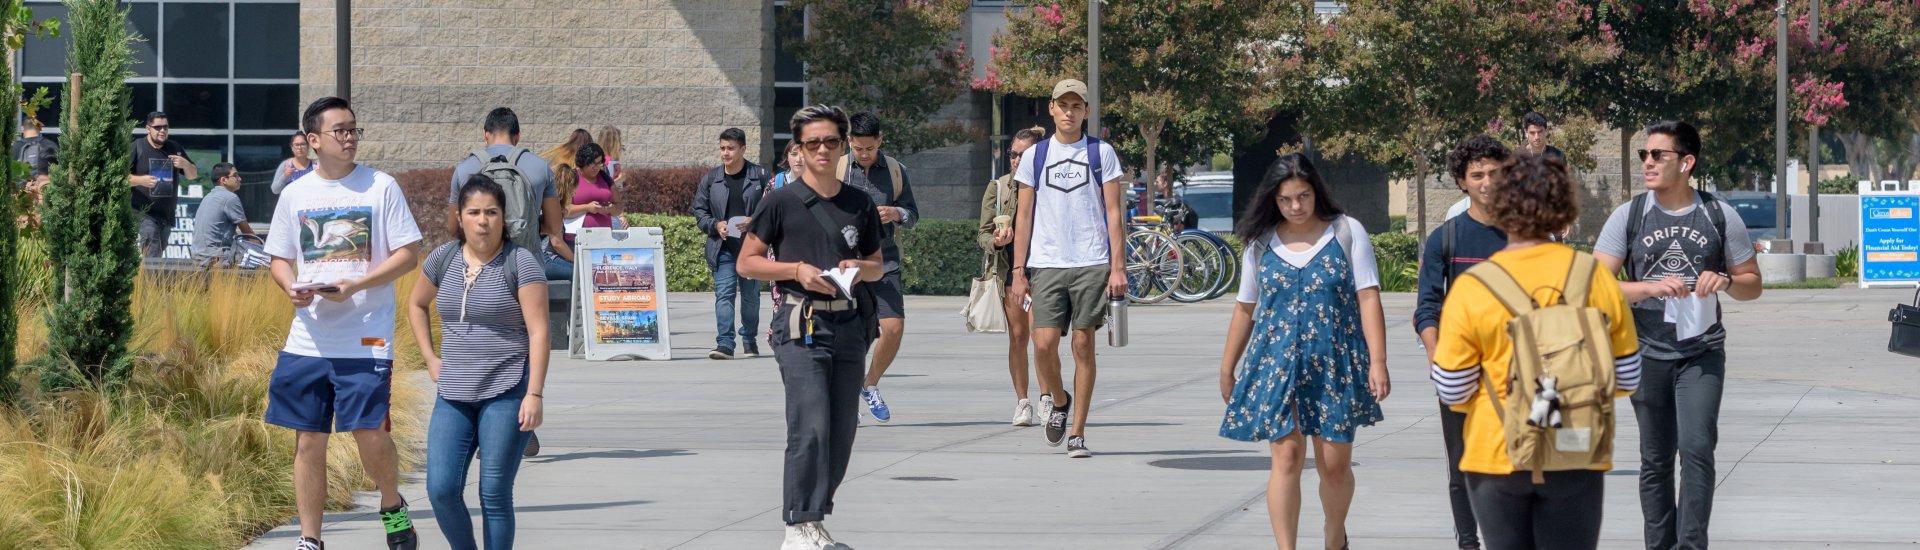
<point x="491" y="367"/>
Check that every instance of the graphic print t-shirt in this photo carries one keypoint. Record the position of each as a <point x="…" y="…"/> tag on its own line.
<point x="794" y="234"/>
<point x="1069" y="211"/>
<point x="1681" y="244"/>
<point x="342" y="229"/>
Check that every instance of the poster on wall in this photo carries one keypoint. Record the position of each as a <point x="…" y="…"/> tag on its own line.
<point x="1889" y="239"/>
<point x="625" y="306"/>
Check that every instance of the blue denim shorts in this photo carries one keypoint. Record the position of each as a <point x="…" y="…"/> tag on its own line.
<point x="312" y="394"/>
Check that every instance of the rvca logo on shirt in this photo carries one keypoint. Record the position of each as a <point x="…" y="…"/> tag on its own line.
<point x="1068" y="175"/>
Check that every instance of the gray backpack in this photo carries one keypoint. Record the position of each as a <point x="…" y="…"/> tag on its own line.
<point x="523" y="204"/>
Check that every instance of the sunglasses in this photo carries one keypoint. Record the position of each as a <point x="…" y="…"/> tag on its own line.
<point x="158" y="128"/>
<point x="1659" y="155"/>
<point x="822" y="143"/>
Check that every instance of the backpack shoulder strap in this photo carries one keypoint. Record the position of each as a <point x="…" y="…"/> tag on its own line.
<point x="1579" y="280"/>
<point x="1342" y="233"/>
<point x="437" y="262"/>
<point x="840" y="170"/>
<point x="481" y="154"/>
<point x="811" y="200"/>
<point x="1503" y="287"/>
<point x="512" y="271"/>
<point x="1636" y="214"/>
<point x="893" y="171"/>
<point x="1719" y="217"/>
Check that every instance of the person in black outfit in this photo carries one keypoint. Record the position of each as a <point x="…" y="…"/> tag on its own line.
<point x="1477" y="166"/>
<point x="729" y="193"/>
<point x="820" y="333"/>
<point x="1536" y="129"/>
<point x="154" y="194"/>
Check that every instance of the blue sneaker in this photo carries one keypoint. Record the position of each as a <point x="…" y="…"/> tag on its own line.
<point x="875" y="405"/>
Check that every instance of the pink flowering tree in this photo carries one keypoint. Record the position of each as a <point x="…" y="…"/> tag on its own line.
<point x="897" y="58"/>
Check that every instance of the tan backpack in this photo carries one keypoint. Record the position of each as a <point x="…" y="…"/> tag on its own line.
<point x="1559" y="414"/>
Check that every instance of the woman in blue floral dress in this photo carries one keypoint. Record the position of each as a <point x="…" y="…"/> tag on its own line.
<point x="1310" y="326"/>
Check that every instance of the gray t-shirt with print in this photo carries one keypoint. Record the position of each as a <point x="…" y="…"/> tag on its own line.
<point x="215" y="224"/>
<point x="1678" y="243"/>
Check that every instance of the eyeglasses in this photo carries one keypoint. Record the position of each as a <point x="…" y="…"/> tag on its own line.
<point x="344" y="134"/>
<point x="1658" y="155"/>
<point x="822" y="143"/>
<point x="159" y="128"/>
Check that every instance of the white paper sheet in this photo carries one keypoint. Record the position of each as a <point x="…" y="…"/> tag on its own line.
<point x="845" y="278"/>
<point x="1692" y="315"/>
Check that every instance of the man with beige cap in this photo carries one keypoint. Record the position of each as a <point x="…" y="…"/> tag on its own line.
<point x="1067" y="254"/>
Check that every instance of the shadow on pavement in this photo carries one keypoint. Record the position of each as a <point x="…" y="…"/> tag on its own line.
<point x="612" y="453"/>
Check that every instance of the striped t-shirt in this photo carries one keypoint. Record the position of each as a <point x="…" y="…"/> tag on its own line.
<point x="483" y="344"/>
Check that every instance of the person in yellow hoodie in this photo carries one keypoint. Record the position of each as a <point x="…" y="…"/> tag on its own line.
<point x="1535" y="200"/>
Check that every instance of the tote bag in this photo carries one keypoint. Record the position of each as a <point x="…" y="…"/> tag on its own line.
<point x="986" y="300"/>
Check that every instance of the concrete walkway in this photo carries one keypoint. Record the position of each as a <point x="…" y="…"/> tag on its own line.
<point x="1818" y="447"/>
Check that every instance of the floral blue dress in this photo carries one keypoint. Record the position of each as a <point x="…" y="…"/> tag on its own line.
<point x="1306" y="364"/>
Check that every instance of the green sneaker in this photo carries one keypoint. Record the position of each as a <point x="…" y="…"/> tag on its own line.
<point x="400" y="533"/>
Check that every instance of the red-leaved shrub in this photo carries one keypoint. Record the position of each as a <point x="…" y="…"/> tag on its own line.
<point x="426" y="191"/>
<point x="661" y="190"/>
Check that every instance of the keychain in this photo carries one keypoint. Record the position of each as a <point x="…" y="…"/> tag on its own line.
<point x="809" y="335"/>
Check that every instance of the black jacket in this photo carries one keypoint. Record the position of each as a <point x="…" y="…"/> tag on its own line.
<point x="710" y="203"/>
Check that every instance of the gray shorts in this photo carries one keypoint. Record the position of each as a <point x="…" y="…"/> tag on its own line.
<point x="1069" y="298"/>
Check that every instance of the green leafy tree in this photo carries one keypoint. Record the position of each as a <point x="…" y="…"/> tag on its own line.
<point x="1400" y="81"/>
<point x="92" y="241"/>
<point x="1179" y="79"/>
<point x="895" y="58"/>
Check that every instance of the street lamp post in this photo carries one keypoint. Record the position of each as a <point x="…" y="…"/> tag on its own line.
<point x="1813" y="245"/>
<point x="1093" y="68"/>
<point x="343" y="49"/>
<point x="1782" y="242"/>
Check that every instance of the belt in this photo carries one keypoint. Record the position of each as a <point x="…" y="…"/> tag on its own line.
<point x="806" y="307"/>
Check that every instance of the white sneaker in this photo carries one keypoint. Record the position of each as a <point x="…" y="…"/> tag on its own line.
<point x="799" y="538"/>
<point x="1042" y="408"/>
<point x="1023" y="413"/>
<point x="826" y="540"/>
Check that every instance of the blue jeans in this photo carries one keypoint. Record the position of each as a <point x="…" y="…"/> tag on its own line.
<point x="558" y="268"/>
<point x="457" y="429"/>
<point x="727" y="282"/>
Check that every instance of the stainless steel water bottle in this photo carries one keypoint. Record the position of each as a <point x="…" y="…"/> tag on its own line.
<point x="1117" y="322"/>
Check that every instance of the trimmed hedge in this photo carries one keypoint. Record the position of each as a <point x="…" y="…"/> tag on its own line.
<point x="938" y="257"/>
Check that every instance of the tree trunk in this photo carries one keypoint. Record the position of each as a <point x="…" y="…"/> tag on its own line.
<point x="1150" y="133"/>
<point x="1859" y="153"/>
<point x="1626" y="166"/>
<point x="1420" y="187"/>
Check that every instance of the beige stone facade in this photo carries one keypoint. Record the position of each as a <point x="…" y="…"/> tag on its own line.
<point x="670" y="73"/>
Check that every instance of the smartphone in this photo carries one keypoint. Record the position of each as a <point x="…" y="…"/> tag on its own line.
<point x="315" y="287"/>
<point x="1026" y="303"/>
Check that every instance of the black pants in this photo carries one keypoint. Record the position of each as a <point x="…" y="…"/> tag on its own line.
<point x="1516" y="514"/>
<point x="1465" y="533"/>
<point x="823" y="399"/>
<point x="1678" y="407"/>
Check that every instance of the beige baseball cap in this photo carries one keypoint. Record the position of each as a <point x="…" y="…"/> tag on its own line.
<point x="1070" y="86"/>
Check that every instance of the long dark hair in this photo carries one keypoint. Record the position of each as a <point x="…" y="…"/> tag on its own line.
<point x="1263" y="211"/>
<point x="479" y="185"/>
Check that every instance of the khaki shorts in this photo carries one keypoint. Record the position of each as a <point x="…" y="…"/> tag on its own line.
<point x="1069" y="298"/>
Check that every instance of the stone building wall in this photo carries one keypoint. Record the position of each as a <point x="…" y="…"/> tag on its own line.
<point x="671" y="74"/>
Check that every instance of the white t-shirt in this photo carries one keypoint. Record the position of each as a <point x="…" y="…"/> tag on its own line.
<point x="342" y="229"/>
<point x="1459" y="208"/>
<point x="1359" y="253"/>
<point x="1070" y="223"/>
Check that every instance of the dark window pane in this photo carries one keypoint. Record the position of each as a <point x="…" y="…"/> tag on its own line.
<point x="196" y="40"/>
<point x="197" y="106"/>
<point x="786" y="102"/>
<point x="786" y="67"/>
<point x="45" y="56"/>
<point x="144" y="20"/>
<point x="266" y="106"/>
<point x="146" y="99"/>
<point x="53" y="114"/>
<point x="269" y="35"/>
<point x="256" y="157"/>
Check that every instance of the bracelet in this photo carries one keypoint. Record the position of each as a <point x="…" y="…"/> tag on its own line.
<point x="796" y="271"/>
<point x="537" y="395"/>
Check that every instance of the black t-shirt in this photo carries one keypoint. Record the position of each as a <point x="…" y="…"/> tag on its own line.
<point x="736" y="202"/>
<point x="794" y="234"/>
<point x="160" y="208"/>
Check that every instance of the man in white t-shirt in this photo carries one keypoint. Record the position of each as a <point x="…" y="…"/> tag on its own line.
<point x="1068" y="255"/>
<point x="342" y="233"/>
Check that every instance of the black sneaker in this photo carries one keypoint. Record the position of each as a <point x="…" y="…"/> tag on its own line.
<point x="400" y="533"/>
<point x="720" y="354"/>
<point x="752" y="349"/>
<point x="533" y="445"/>
<point x="309" y="543"/>
<point x="1077" y="447"/>
<point x="1057" y="422"/>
